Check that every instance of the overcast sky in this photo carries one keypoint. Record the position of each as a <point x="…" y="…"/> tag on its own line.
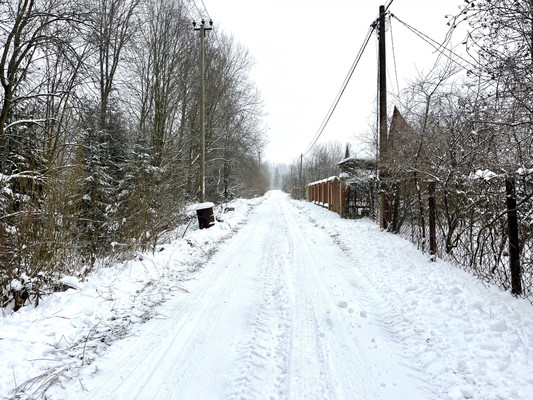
<point x="303" y="50"/>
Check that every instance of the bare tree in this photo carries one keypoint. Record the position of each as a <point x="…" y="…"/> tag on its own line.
<point x="99" y="131"/>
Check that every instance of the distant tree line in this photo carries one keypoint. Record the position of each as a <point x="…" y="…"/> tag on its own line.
<point x="320" y="163"/>
<point x="100" y="131"/>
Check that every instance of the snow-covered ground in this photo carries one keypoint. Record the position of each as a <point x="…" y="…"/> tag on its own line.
<point x="297" y="304"/>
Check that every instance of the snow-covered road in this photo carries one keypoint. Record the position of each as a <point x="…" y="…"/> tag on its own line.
<point x="275" y="314"/>
<point x="297" y="304"/>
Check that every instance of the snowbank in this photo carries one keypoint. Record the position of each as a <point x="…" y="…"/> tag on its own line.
<point x="474" y="341"/>
<point x="39" y="346"/>
<point x="465" y="340"/>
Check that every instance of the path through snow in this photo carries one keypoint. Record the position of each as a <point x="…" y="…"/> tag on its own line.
<point x="300" y="304"/>
<point x="275" y="314"/>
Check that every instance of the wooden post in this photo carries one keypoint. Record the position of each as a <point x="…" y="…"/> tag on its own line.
<point x="300" y="178"/>
<point x="514" y="243"/>
<point x="342" y="200"/>
<point x="432" y="224"/>
<point x="396" y="209"/>
<point x="202" y="30"/>
<point x="330" y="198"/>
<point x="383" y="206"/>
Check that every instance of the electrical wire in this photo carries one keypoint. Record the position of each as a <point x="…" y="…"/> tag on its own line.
<point x="188" y="12"/>
<point x="200" y="16"/>
<point x="207" y="12"/>
<point x="332" y="108"/>
<point x="388" y="5"/>
<point x="394" y="56"/>
<point x="344" y="84"/>
<point x="197" y="8"/>
<point x="439" y="47"/>
<point x="210" y="19"/>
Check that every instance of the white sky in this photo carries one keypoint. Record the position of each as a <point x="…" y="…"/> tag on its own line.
<point x="303" y="50"/>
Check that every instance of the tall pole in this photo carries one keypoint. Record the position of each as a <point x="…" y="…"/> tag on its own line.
<point x="202" y="30"/>
<point x="301" y="177"/>
<point x="383" y="218"/>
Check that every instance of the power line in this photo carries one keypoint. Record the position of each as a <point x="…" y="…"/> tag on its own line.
<point x="200" y="17"/>
<point x="394" y="56"/>
<point x="188" y="12"/>
<point x="342" y="89"/>
<point x="344" y="84"/>
<point x="439" y="47"/>
<point x="211" y="19"/>
<point x="205" y="8"/>
<point x="197" y="8"/>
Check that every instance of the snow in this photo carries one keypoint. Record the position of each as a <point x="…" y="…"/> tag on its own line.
<point x="71" y="281"/>
<point x="202" y="206"/>
<point x="484" y="174"/>
<point x="524" y="171"/>
<point x="281" y="300"/>
<point x="16" y="285"/>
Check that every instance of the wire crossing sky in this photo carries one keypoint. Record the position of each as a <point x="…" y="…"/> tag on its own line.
<point x="302" y="50"/>
<point x="341" y="91"/>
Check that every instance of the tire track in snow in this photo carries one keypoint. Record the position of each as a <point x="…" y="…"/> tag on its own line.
<point x="354" y="344"/>
<point x="270" y="317"/>
<point x="202" y="369"/>
<point x="263" y="353"/>
<point x="385" y="311"/>
<point x="319" y="372"/>
<point x="169" y="354"/>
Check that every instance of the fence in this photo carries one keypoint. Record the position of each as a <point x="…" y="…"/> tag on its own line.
<point x="329" y="193"/>
<point x="466" y="220"/>
<point x="350" y="198"/>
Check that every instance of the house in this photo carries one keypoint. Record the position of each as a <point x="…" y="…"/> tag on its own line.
<point x="355" y="192"/>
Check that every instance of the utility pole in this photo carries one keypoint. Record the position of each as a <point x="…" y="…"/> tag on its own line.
<point x="202" y="30"/>
<point x="383" y="207"/>
<point x="300" y="177"/>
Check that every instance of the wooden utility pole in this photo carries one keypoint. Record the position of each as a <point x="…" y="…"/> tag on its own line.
<point x="202" y="30"/>
<point x="383" y="212"/>
<point x="300" y="178"/>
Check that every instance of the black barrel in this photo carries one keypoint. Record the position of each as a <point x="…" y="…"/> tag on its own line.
<point x="206" y="216"/>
